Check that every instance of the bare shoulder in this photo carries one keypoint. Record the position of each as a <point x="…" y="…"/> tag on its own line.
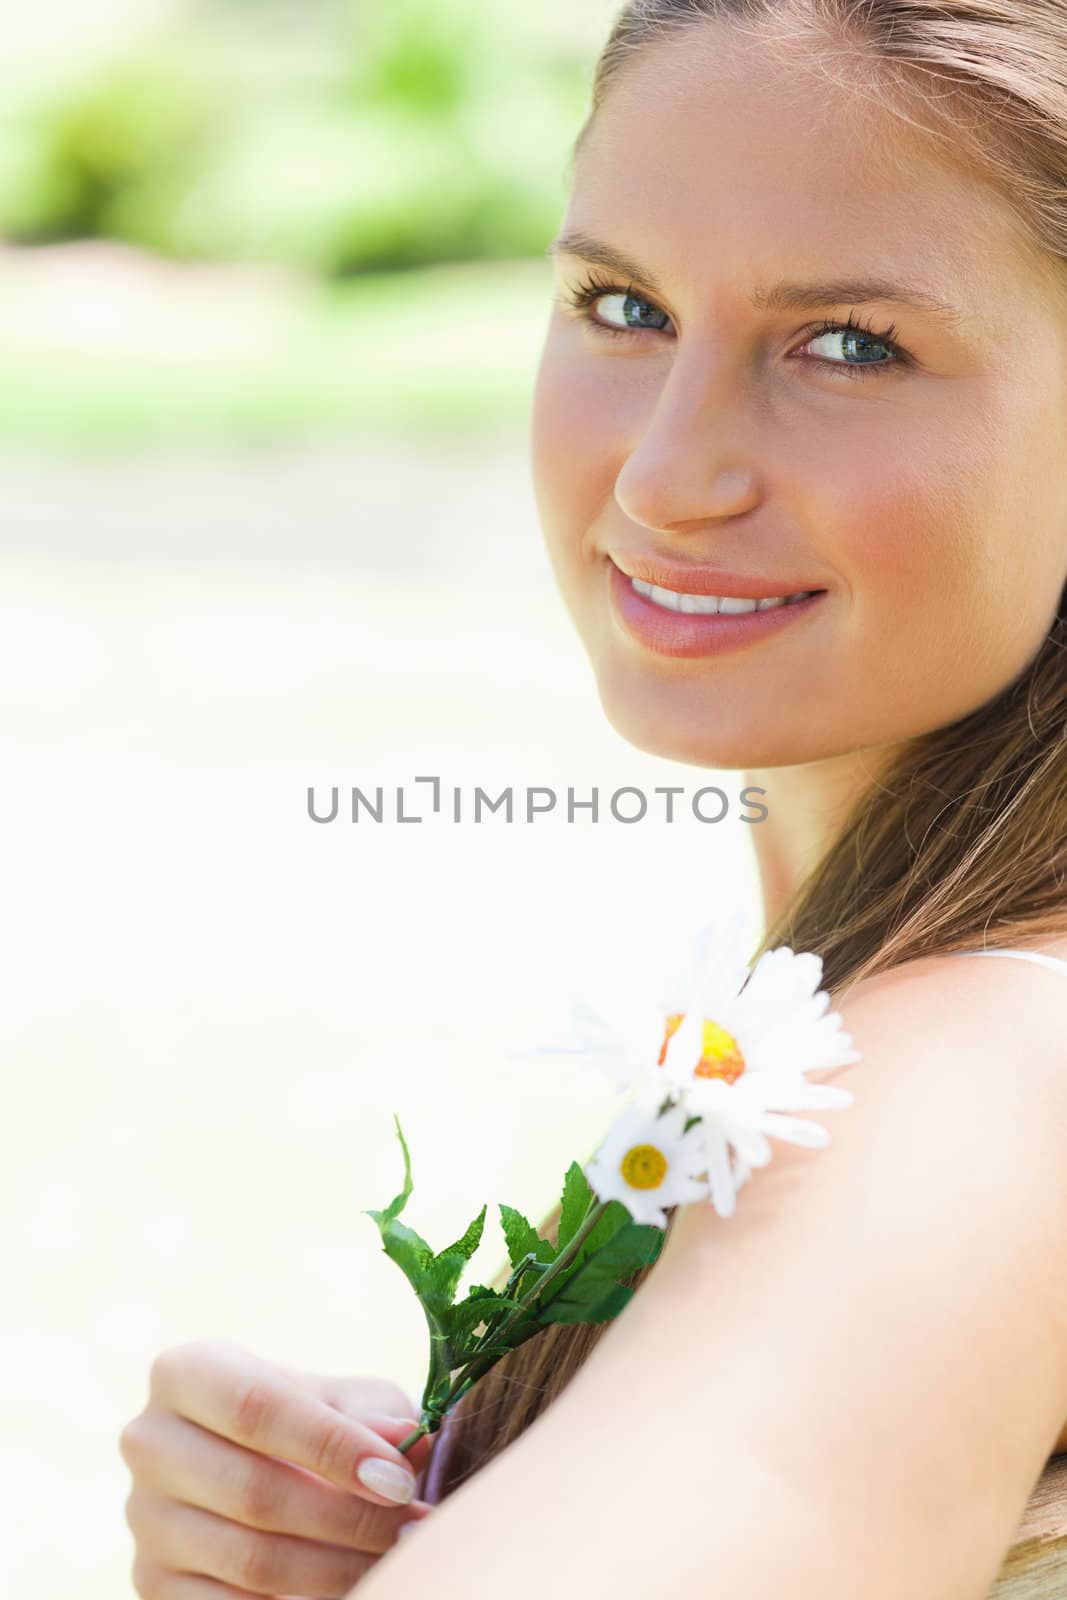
<point x="967" y="1008"/>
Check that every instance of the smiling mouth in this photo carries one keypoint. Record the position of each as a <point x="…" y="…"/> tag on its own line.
<point x="674" y="622"/>
<point x="713" y="604"/>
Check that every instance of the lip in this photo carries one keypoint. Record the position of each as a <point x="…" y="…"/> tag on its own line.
<point x="681" y="633"/>
<point x="700" y="579"/>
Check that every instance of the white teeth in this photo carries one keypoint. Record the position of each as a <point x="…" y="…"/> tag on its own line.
<point x="672" y="600"/>
<point x="710" y="604"/>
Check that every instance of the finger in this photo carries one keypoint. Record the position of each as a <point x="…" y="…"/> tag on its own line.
<point x="236" y="1395"/>
<point x="351" y="1395"/>
<point x="186" y="1539"/>
<point x="356" y="1395"/>
<point x="152" y="1582"/>
<point x="179" y="1460"/>
<point x="395" y="1430"/>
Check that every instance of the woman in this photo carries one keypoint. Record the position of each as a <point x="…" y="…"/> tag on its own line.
<point x="810" y="339"/>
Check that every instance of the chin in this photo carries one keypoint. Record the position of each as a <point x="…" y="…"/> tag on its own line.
<point x="694" y="729"/>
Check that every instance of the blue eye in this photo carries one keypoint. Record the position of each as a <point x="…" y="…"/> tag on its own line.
<point x="856" y="334"/>
<point x="639" y="312"/>
<point x="584" y="296"/>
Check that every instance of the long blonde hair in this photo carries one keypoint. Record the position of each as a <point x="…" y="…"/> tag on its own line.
<point x="963" y="842"/>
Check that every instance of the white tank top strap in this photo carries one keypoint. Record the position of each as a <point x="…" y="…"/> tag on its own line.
<point x="1037" y="956"/>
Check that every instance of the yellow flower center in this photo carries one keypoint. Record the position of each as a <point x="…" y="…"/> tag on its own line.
<point x="721" y="1056"/>
<point x="643" y="1166"/>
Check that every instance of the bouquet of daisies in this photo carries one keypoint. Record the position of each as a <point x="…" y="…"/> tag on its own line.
<point x="714" y="1061"/>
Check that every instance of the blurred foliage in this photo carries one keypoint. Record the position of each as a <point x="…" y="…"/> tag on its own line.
<point x="446" y="350"/>
<point x="341" y="136"/>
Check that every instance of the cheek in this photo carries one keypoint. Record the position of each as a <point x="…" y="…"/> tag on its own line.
<point x="919" y="522"/>
<point x="575" y="454"/>
<point x="927" y="537"/>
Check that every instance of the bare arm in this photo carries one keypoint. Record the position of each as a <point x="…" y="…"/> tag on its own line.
<point x="848" y="1388"/>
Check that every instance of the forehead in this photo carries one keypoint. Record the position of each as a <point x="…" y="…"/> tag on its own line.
<point x="714" y="158"/>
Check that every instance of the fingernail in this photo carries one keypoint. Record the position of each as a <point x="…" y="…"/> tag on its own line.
<point x="387" y="1478"/>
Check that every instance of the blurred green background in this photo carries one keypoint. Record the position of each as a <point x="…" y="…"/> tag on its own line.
<point x="272" y="297"/>
<point x="273" y="216"/>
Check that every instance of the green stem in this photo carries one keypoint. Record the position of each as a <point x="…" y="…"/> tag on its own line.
<point x="476" y="1367"/>
<point x="566" y="1256"/>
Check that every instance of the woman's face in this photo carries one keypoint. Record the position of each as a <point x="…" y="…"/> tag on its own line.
<point x="918" y="482"/>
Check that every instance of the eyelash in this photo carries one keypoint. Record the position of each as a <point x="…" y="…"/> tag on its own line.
<point x="579" y="300"/>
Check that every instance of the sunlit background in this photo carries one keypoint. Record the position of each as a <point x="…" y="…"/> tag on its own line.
<point x="272" y="294"/>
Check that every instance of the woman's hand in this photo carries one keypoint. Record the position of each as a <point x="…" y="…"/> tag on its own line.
<point x="244" y="1477"/>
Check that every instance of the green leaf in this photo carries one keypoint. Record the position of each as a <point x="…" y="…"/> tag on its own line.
<point x="439" y="1286"/>
<point x="447" y="1267"/>
<point x="433" y="1278"/>
<point x="524" y="1327"/>
<point x="434" y="1395"/>
<point x="402" y="1244"/>
<point x="522" y="1237"/>
<point x="577" y="1194"/>
<point x="593" y="1292"/>
<point x="470" y="1312"/>
<point x="479" y="1291"/>
<point x="409" y="1250"/>
<point x="471" y="1239"/>
<point x="396" y="1206"/>
<point x="601" y="1310"/>
<point x="615" y="1219"/>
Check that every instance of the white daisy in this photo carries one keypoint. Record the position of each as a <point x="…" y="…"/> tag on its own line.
<point x="648" y="1162"/>
<point x="774" y="1024"/>
<point x="729" y="1045"/>
<point x="625" y="1032"/>
<point x="739" y="1064"/>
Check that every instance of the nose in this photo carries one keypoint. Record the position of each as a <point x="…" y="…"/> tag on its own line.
<point x="692" y="463"/>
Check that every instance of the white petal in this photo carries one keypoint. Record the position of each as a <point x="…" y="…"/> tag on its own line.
<point x="694" y="1190"/>
<point x="720" y="965"/>
<point x="826" y="1094"/>
<point x="795" y="1130"/>
<point x="790" y="1092"/>
<point x="781" y="985"/>
<point x="584" y="1031"/>
<point x="807" y="1046"/>
<point x="681" y="1191"/>
<point x="685" y="1048"/>
<point x="719" y="1174"/>
<point x="711" y="1097"/>
<point x="752" y="1147"/>
<point x="768" y="979"/>
<point x="651" y="1089"/>
<point x="605" y="1180"/>
<point x="667" y="1129"/>
<point x="644" y="1206"/>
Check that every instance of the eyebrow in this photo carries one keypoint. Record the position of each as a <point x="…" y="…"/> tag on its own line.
<point x="782" y="296"/>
